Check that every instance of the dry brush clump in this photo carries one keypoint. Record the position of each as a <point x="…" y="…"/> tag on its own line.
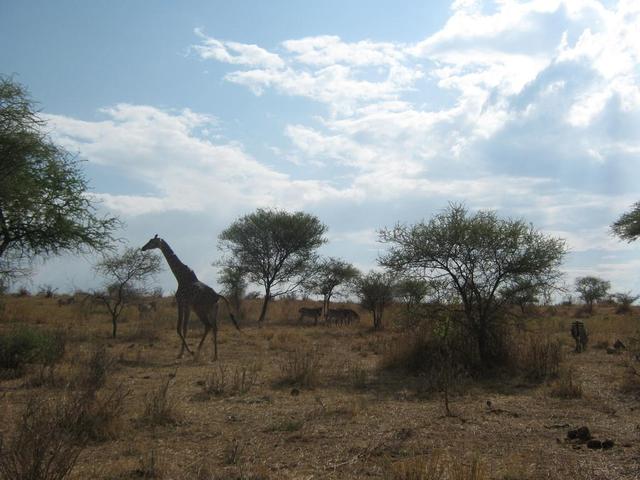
<point x="150" y="466"/>
<point x="160" y="407"/>
<point x="96" y="412"/>
<point x="358" y="376"/>
<point x="96" y="416"/>
<point x="631" y="381"/>
<point x="301" y="367"/>
<point x="535" y="356"/>
<point x="566" y="386"/>
<point x="51" y="434"/>
<point x="230" y="381"/>
<point x="437" y="467"/>
<point x="40" y="448"/>
<point x="96" y="370"/>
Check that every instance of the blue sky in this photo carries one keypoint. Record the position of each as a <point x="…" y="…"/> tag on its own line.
<point x="192" y="114"/>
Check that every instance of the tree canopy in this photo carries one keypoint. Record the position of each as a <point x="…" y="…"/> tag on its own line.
<point x="592" y="289"/>
<point x="627" y="226"/>
<point x="329" y="274"/>
<point x="274" y="248"/>
<point x="45" y="208"/>
<point x="482" y="257"/>
<point x="125" y="276"/>
<point x="375" y="290"/>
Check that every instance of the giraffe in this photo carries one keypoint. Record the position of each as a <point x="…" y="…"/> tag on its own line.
<point x="191" y="293"/>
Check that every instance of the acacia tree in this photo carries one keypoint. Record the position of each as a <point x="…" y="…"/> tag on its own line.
<point x="44" y="206"/>
<point x="522" y="292"/>
<point x="479" y="256"/>
<point x="329" y="274"/>
<point x="274" y="248"/>
<point x="126" y="276"/>
<point x="592" y="289"/>
<point x="375" y="291"/>
<point x="234" y="285"/>
<point x="627" y="226"/>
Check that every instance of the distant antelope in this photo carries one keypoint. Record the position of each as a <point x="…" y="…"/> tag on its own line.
<point x="342" y="316"/>
<point x="314" y="313"/>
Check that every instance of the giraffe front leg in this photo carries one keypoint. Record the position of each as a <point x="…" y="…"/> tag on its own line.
<point x="185" y="328"/>
<point x="183" y="317"/>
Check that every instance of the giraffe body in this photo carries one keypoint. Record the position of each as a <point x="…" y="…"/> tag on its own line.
<point x="191" y="294"/>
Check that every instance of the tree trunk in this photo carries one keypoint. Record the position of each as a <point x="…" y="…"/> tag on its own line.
<point x="114" y="321"/>
<point x="487" y="356"/>
<point x="265" y="303"/>
<point x="377" y="318"/>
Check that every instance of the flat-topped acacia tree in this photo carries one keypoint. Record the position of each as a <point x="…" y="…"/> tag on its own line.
<point x="329" y="274"/>
<point x="274" y="248"/>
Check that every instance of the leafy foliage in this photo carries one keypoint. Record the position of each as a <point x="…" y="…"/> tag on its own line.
<point x="592" y="289"/>
<point x="328" y="276"/>
<point x="375" y="291"/>
<point x="482" y="258"/>
<point x="627" y="226"/>
<point x="125" y="275"/>
<point x="26" y="345"/>
<point x="234" y="283"/>
<point x="44" y="206"/>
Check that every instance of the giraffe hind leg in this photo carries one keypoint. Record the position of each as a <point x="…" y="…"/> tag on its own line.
<point x="214" y="327"/>
<point x="207" y="327"/>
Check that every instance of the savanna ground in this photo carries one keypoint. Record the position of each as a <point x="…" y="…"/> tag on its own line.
<point x="290" y="401"/>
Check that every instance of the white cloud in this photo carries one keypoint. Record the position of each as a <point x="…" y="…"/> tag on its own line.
<point x="186" y="171"/>
<point x="322" y="68"/>
<point x="528" y="107"/>
<point x="328" y="50"/>
<point x="235" y="53"/>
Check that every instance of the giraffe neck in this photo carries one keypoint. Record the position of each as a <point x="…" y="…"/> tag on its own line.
<point x="182" y="273"/>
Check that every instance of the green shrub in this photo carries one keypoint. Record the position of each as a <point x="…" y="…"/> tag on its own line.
<point x="26" y="345"/>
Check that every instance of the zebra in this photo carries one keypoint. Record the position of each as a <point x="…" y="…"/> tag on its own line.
<point x="579" y="334"/>
<point x="314" y="313"/>
<point x="342" y="316"/>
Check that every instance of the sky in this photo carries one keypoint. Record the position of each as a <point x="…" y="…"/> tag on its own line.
<point x="364" y="113"/>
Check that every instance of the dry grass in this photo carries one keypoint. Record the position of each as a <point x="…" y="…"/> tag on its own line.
<point x="225" y="380"/>
<point x="301" y="367"/>
<point x="40" y="448"/>
<point x="566" y="386"/>
<point x="631" y="381"/>
<point x="437" y="467"/>
<point x="342" y="416"/>
<point x="160" y="407"/>
<point x="537" y="357"/>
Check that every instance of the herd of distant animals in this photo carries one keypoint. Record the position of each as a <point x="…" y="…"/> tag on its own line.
<point x="337" y="316"/>
<point x="196" y="295"/>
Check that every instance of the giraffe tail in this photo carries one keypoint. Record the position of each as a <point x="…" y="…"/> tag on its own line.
<point x="233" y="318"/>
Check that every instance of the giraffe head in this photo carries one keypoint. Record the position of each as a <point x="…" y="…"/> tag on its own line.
<point x="153" y="243"/>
